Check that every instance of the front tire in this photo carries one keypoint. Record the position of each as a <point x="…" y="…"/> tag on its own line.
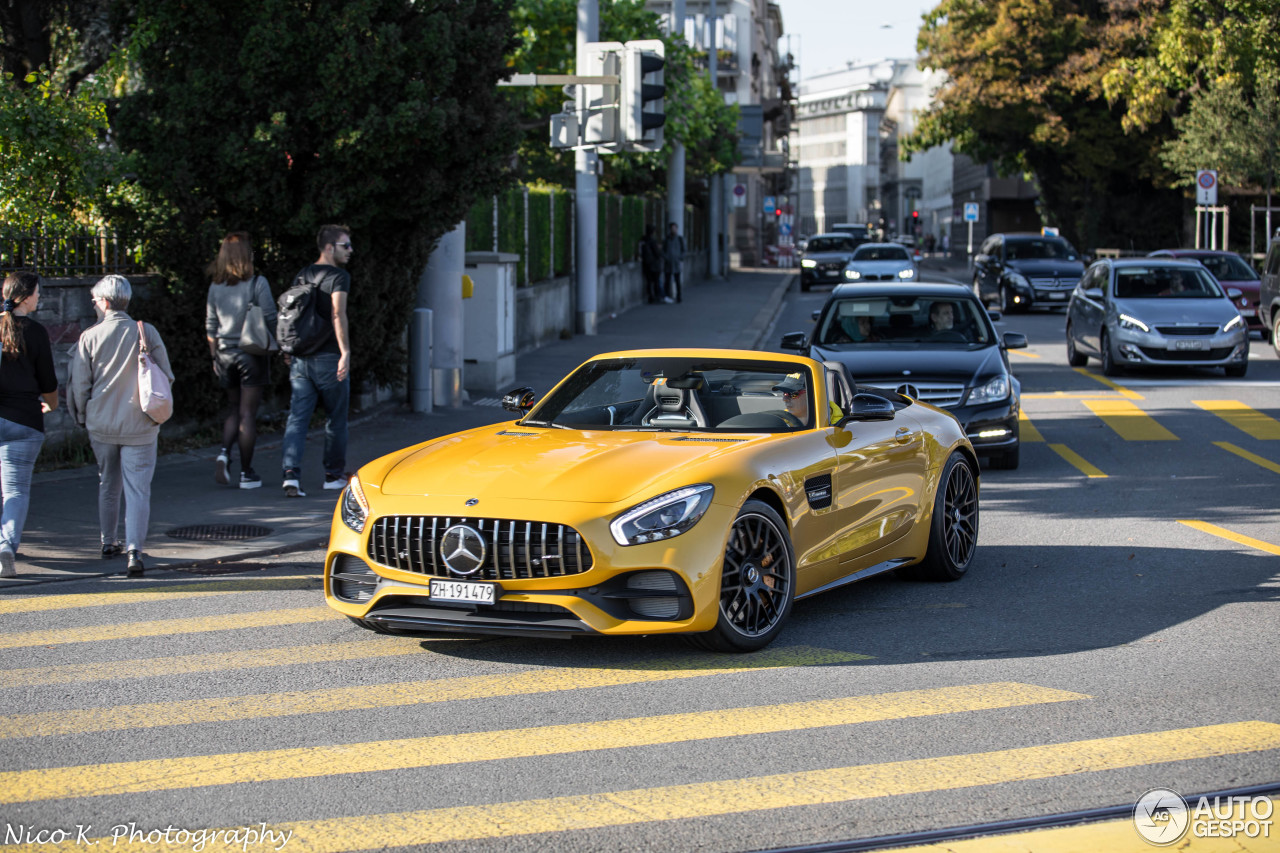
<point x="953" y="531"/>
<point x="1075" y="358"/>
<point x="1109" y="366"/>
<point x="977" y="291"/>
<point x="757" y="582"/>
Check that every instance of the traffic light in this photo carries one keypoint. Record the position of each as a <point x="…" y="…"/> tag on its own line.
<point x="598" y="105"/>
<point x="643" y="89"/>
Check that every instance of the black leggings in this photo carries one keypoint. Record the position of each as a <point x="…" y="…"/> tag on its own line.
<point x="242" y="421"/>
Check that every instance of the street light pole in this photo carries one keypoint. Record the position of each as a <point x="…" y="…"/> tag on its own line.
<point x="586" y="183"/>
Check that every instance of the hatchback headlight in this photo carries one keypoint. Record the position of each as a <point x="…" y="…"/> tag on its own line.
<point x="994" y="389"/>
<point x="808" y="264"/>
<point x="355" y="508"/>
<point x="852" y="275"/>
<point x="1235" y="322"/>
<point x="907" y="273"/>
<point x="662" y="517"/>
<point x="1128" y="321"/>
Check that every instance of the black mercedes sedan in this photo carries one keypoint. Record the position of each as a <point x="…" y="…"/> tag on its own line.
<point x="1019" y="271"/>
<point x="932" y="342"/>
<point x="824" y="259"/>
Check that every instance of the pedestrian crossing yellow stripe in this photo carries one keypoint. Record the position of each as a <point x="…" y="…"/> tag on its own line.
<point x="58" y="783"/>
<point x="1121" y="390"/>
<point x="1231" y="535"/>
<point x="1129" y="422"/>
<point x="1243" y="418"/>
<point x="173" y="592"/>
<point x="1027" y="431"/>
<point x="367" y="696"/>
<point x="168" y="627"/>
<point x="1252" y="457"/>
<point x="215" y="662"/>
<point x="760" y="793"/>
<point x="1079" y="462"/>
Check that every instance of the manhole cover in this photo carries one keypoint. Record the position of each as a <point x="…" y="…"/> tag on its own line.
<point x="218" y="532"/>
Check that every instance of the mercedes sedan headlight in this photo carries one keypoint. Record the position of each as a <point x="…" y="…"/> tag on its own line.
<point x="852" y="275"/>
<point x="355" y="508"/>
<point x="907" y="273"/>
<point x="993" y="390"/>
<point x="1019" y="280"/>
<point x="808" y="264"/>
<point x="1128" y="321"/>
<point x="1236" y="322"/>
<point x="663" y="517"/>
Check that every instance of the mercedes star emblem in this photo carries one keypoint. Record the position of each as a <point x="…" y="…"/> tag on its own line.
<point x="909" y="390"/>
<point x="462" y="549"/>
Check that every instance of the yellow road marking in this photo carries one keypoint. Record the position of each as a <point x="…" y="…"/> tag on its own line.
<point x="158" y="593"/>
<point x="1129" y="422"/>
<point x="787" y="790"/>
<point x="1243" y="418"/>
<point x="366" y="696"/>
<point x="166" y="627"/>
<point x="1076" y="460"/>
<point x="379" y="756"/>
<point x="1071" y="395"/>
<point x="1252" y="457"/>
<point x="1027" y="431"/>
<point x="215" y="662"/>
<point x="1238" y="538"/>
<point x="1023" y="353"/>
<point x="1120" y="389"/>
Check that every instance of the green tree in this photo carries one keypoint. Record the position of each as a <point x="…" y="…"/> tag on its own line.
<point x="277" y="116"/>
<point x="1025" y="92"/>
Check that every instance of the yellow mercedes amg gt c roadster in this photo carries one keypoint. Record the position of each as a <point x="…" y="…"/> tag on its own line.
<point x="656" y="491"/>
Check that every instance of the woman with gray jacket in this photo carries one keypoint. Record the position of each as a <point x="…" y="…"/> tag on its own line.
<point x="102" y="396"/>
<point x="235" y="286"/>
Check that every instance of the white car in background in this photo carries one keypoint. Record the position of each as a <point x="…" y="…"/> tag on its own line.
<point x="881" y="262"/>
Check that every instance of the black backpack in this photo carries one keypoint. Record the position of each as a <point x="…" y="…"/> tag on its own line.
<point x="300" y="327"/>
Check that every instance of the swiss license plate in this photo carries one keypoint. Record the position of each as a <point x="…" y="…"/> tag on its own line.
<point x="1248" y="312"/>
<point x="464" y="591"/>
<point x="1058" y="296"/>
<point x="1190" y="345"/>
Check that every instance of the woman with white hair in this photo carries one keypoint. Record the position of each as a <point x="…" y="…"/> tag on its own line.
<point x="102" y="396"/>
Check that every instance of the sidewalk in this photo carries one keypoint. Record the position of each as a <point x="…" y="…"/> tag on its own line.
<point x="60" y="540"/>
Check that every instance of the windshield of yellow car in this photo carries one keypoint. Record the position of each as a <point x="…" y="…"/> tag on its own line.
<point x="682" y="395"/>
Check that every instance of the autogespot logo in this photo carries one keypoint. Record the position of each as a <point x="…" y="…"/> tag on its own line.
<point x="1160" y="816"/>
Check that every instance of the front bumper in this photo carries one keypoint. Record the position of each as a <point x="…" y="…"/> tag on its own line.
<point x="990" y="427"/>
<point x="1136" y="348"/>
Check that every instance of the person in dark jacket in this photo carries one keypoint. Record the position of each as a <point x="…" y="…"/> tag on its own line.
<point x="651" y="264"/>
<point x="28" y="389"/>
<point x="673" y="254"/>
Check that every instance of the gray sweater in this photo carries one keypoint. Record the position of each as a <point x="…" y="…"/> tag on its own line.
<point x="228" y="303"/>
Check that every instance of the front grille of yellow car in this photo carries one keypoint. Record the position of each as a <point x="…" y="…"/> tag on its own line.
<point x="514" y="550"/>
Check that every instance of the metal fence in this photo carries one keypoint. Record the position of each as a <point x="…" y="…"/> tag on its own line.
<point x="71" y="252"/>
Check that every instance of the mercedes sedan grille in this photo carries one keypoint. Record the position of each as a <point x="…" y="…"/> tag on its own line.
<point x="513" y="550"/>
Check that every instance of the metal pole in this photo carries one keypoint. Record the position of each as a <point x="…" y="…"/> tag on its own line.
<point x="714" y="184"/>
<point x="586" y="185"/>
<point x="440" y="288"/>
<point x="676" y="158"/>
<point x="420" y="361"/>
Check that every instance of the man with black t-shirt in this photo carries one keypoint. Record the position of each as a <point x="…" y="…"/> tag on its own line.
<point x="323" y="375"/>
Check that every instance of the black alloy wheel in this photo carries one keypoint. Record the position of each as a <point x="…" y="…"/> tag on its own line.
<point x="1109" y="366"/>
<point x="1006" y="301"/>
<point x="1075" y="358"/>
<point x="977" y="291"/>
<point x="757" y="582"/>
<point x="953" y="531"/>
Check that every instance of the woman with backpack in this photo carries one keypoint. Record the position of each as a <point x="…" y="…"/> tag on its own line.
<point x="234" y="287"/>
<point x="28" y="389"/>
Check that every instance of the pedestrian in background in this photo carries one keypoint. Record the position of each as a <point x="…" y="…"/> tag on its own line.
<point x="234" y="286"/>
<point x="102" y="397"/>
<point x="28" y="389"/>
<point x="651" y="264"/>
<point x="323" y="375"/>
<point x="673" y="254"/>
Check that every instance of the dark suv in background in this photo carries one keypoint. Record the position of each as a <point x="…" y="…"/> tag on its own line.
<point x="1020" y="271"/>
<point x="1269" y="292"/>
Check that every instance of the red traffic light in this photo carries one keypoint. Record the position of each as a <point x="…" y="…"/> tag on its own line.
<point x="915" y="214"/>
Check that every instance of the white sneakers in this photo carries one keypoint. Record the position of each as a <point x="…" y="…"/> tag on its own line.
<point x="292" y="489"/>
<point x="335" y="483"/>
<point x="221" y="467"/>
<point x="7" y="567"/>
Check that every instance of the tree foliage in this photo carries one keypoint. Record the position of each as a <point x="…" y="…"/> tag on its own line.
<point x="1025" y="92"/>
<point x="1236" y="133"/>
<point x="277" y="116"/>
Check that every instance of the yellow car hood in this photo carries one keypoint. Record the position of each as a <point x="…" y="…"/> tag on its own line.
<point x="547" y="464"/>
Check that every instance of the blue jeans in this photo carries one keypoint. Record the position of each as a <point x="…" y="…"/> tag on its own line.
<point x="314" y="378"/>
<point x="19" y="447"/>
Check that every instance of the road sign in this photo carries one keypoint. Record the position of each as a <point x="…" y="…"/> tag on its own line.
<point x="770" y="204"/>
<point x="1207" y="187"/>
<point x="970" y="211"/>
<point x="739" y="195"/>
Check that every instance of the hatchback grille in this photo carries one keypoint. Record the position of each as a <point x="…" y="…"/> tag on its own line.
<point x="1187" y="354"/>
<point x="514" y="550"/>
<point x="1200" y="331"/>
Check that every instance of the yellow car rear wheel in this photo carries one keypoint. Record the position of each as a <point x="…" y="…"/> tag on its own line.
<point x="757" y="582"/>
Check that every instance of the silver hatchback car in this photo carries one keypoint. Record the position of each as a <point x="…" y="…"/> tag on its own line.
<point x="1144" y="312"/>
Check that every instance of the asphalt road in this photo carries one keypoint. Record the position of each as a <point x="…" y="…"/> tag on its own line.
<point x="1115" y="635"/>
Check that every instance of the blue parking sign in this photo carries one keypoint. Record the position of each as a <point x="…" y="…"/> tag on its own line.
<point x="970" y="211"/>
